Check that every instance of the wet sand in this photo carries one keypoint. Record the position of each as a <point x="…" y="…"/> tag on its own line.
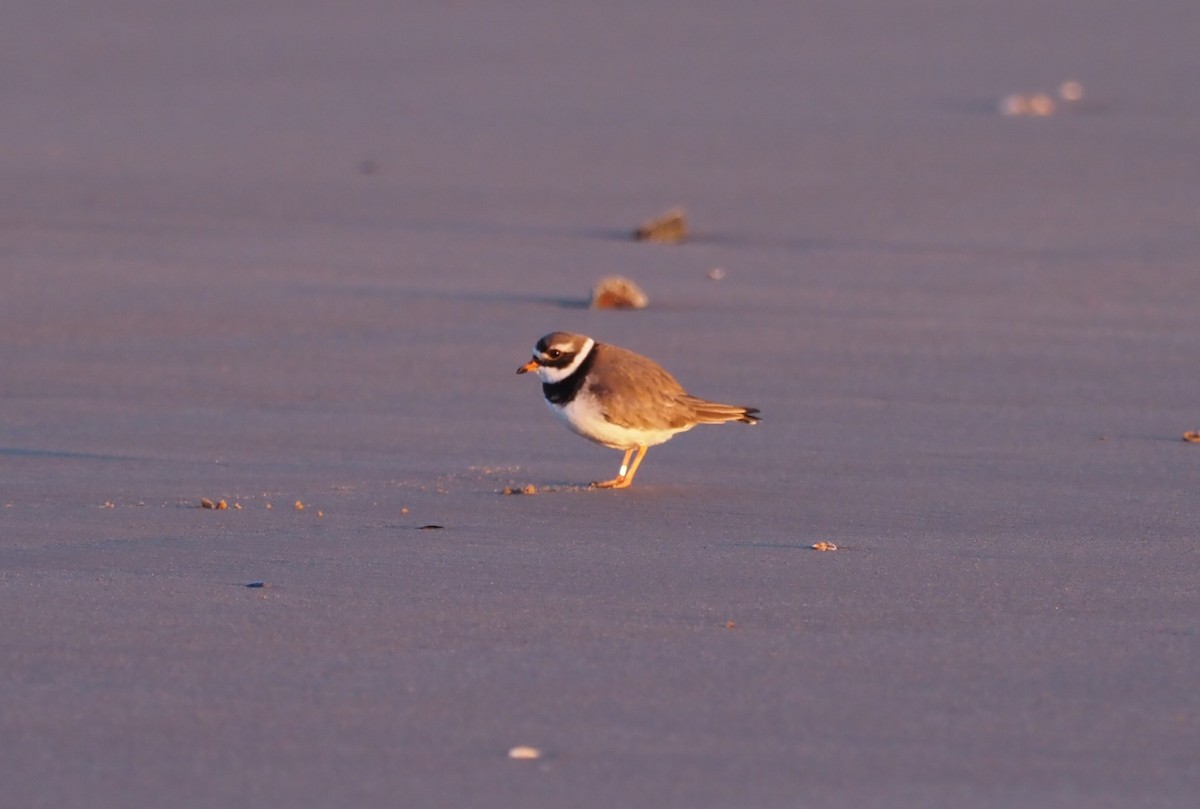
<point x="275" y="253"/>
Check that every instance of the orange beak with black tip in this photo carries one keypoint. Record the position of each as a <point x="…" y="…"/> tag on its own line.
<point x="532" y="365"/>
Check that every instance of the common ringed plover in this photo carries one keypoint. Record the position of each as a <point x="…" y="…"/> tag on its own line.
<point x="619" y="399"/>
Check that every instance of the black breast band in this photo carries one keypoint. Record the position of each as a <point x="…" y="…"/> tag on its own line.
<point x="561" y="393"/>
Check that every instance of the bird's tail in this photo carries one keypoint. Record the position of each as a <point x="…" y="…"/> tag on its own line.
<point x="707" y="412"/>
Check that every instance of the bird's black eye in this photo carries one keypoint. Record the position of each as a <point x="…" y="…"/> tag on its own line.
<point x="553" y="353"/>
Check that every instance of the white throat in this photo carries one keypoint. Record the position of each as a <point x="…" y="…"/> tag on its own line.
<point x="551" y="375"/>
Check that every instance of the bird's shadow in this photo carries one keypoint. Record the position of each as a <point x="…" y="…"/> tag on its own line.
<point x="25" y="452"/>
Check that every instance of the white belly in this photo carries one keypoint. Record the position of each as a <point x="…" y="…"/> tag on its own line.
<point x="583" y="416"/>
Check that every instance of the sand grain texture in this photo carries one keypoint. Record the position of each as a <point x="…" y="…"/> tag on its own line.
<point x="272" y="253"/>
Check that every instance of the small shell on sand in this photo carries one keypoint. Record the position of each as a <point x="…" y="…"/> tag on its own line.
<point x="1192" y="436"/>
<point x="1070" y="90"/>
<point x="668" y="228"/>
<point x="524" y="753"/>
<point x="824" y="546"/>
<point x="617" y="292"/>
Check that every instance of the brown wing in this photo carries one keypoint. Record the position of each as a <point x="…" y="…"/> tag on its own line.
<point x="706" y="412"/>
<point x="636" y="391"/>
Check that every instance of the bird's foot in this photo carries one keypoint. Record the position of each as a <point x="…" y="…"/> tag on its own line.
<point x="615" y="483"/>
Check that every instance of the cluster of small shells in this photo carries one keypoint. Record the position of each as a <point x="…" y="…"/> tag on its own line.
<point x="1040" y="104"/>
<point x="223" y="505"/>
<point x="618" y="292"/>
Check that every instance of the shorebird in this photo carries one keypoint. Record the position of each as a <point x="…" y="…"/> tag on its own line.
<point x="619" y="399"/>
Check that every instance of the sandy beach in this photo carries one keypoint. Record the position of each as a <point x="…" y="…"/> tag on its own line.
<point x="288" y="256"/>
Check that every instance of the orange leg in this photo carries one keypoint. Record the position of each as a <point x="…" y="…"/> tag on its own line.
<point x="615" y="483"/>
<point x="623" y="480"/>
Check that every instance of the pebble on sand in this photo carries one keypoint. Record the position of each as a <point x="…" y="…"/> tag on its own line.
<point x="668" y="228"/>
<point x="524" y="753"/>
<point x="618" y="292"/>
